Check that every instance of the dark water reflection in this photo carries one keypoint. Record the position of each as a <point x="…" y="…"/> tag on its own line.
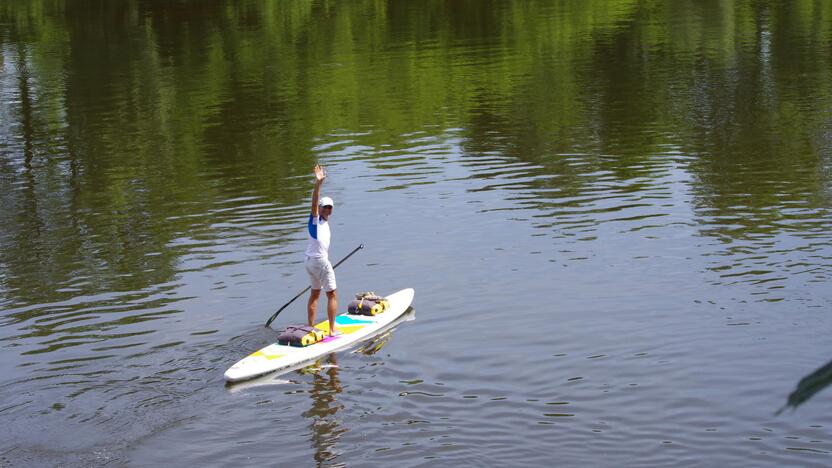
<point x="616" y="215"/>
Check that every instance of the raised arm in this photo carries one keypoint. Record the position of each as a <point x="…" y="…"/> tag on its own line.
<point x="320" y="175"/>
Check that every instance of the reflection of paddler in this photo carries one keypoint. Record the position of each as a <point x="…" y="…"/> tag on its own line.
<point x="324" y="426"/>
<point x="321" y="272"/>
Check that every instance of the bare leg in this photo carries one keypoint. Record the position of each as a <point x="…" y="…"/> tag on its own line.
<point x="331" y="309"/>
<point x="312" y="305"/>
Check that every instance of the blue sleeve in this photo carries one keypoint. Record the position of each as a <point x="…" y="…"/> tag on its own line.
<point x="313" y="227"/>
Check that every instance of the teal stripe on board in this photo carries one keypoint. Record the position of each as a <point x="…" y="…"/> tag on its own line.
<point x="347" y="320"/>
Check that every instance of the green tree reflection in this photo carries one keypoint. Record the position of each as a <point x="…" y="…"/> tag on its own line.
<point x="131" y="117"/>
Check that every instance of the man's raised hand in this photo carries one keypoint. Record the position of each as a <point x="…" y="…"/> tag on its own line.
<point x="320" y="175"/>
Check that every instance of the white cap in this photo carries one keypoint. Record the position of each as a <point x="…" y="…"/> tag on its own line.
<point x="326" y="201"/>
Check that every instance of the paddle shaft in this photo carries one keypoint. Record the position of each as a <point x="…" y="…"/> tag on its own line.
<point x="271" y="319"/>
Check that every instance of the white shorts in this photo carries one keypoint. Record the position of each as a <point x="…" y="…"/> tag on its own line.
<point x="321" y="273"/>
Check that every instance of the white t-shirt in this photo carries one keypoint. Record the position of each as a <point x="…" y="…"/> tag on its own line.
<point x="318" y="237"/>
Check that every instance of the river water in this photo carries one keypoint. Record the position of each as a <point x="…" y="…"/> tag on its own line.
<point x="615" y="215"/>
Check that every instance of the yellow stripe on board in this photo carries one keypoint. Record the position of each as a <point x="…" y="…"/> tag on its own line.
<point x="267" y="356"/>
<point x="345" y="329"/>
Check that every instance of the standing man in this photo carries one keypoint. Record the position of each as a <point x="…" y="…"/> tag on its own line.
<point x="321" y="273"/>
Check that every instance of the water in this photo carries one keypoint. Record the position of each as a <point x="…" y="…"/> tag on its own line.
<point x="615" y="214"/>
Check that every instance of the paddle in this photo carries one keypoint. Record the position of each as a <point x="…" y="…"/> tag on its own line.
<point x="269" y="321"/>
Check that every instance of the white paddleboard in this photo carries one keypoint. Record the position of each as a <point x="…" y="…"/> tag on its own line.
<point x="354" y="328"/>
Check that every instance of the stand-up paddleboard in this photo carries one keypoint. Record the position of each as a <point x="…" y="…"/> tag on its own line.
<point x="354" y="328"/>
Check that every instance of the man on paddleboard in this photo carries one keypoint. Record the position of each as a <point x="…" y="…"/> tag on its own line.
<point x="321" y="273"/>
